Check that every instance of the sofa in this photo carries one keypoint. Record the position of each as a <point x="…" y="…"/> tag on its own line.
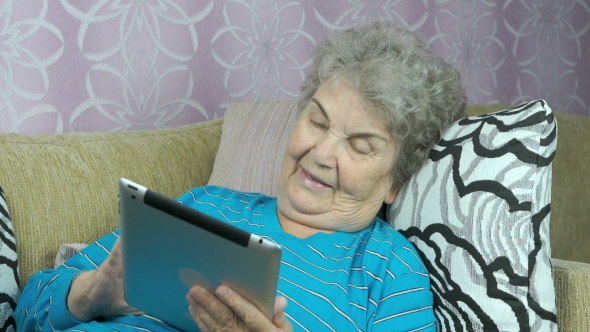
<point x="61" y="189"/>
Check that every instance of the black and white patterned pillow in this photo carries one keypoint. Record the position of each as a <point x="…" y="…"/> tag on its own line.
<point x="478" y="212"/>
<point x="9" y="278"/>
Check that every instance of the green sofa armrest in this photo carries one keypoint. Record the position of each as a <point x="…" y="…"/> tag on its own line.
<point x="63" y="188"/>
<point x="572" y="294"/>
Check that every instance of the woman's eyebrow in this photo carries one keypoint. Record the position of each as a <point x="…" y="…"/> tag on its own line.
<point x="317" y="102"/>
<point x="369" y="136"/>
<point x="365" y="135"/>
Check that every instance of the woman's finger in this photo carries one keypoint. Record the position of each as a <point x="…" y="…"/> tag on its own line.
<point x="252" y="318"/>
<point x="209" y="312"/>
<point x="199" y="313"/>
<point x="200" y="316"/>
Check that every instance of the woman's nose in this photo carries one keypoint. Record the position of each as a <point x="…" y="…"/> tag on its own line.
<point x="324" y="152"/>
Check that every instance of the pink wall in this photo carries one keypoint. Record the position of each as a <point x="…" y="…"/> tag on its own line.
<point x="112" y="65"/>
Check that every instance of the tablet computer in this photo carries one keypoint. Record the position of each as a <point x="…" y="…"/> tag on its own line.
<point x="168" y="247"/>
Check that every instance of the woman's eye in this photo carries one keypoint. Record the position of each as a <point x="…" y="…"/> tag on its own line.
<point x="318" y="124"/>
<point x="359" y="151"/>
<point x="360" y="146"/>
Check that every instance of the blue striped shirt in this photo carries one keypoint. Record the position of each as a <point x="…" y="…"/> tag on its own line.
<point x="371" y="280"/>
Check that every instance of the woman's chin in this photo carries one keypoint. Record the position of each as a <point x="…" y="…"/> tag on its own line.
<point x="308" y="200"/>
<point x="306" y="205"/>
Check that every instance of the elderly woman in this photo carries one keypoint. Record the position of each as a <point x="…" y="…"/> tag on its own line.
<point x="371" y="109"/>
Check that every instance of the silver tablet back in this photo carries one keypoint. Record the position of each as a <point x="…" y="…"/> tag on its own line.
<point x="168" y="248"/>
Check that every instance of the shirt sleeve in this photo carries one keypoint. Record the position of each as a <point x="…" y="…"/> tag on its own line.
<point x="42" y="304"/>
<point x="404" y="300"/>
<point x="406" y="304"/>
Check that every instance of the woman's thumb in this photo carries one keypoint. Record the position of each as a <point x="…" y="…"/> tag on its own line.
<point x="279" y="318"/>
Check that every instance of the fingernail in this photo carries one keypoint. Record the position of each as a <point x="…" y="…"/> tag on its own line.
<point x="222" y="291"/>
<point x="198" y="293"/>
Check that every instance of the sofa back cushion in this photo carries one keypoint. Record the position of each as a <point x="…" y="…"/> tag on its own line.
<point x="253" y="142"/>
<point x="63" y="188"/>
<point x="570" y="199"/>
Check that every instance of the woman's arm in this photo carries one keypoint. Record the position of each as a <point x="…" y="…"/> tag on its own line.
<point x="99" y="293"/>
<point x="43" y="303"/>
<point x="403" y="300"/>
<point x="406" y="304"/>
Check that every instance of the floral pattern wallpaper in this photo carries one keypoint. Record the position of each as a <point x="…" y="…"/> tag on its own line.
<point x="116" y="65"/>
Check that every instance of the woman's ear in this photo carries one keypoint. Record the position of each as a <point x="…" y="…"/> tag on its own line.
<point x="390" y="197"/>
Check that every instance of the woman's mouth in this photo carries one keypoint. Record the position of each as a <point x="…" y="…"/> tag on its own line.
<point x="311" y="181"/>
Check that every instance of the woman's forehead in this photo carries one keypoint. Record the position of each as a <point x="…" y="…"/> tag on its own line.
<point x="341" y="96"/>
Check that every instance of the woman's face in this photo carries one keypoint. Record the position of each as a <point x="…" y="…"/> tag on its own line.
<point x="337" y="166"/>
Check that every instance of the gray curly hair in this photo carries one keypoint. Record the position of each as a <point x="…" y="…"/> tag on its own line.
<point x="401" y="79"/>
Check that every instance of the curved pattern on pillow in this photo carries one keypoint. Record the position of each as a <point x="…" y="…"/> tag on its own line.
<point x="478" y="212"/>
<point x="9" y="281"/>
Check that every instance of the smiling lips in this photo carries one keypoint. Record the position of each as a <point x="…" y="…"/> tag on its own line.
<point x="311" y="181"/>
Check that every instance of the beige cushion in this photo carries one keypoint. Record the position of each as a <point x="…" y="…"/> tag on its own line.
<point x="252" y="145"/>
<point x="62" y="188"/>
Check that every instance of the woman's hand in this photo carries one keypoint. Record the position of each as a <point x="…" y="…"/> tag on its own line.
<point x="228" y="311"/>
<point x="99" y="293"/>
